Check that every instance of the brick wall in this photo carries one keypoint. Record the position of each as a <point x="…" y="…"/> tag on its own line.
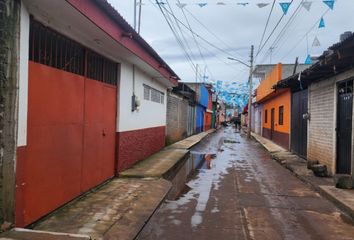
<point x="176" y="121"/>
<point x="134" y="146"/>
<point x="9" y="33"/>
<point x="321" y="128"/>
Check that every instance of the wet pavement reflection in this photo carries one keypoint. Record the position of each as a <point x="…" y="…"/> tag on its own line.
<point x="229" y="188"/>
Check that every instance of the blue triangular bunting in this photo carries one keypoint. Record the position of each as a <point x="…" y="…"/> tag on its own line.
<point x="202" y="4"/>
<point x="285" y="7"/>
<point x="322" y="23"/>
<point x="330" y="4"/>
<point x="308" y="60"/>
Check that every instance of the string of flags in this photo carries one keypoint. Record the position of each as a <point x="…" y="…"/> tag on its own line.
<point x="233" y="93"/>
<point x="284" y="5"/>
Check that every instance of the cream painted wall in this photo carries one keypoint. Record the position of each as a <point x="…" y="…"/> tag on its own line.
<point x="150" y="114"/>
<point x="23" y="74"/>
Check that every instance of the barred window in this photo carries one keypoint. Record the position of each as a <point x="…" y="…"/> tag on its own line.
<point x="153" y="95"/>
<point x="55" y="50"/>
<point x="50" y="48"/>
<point x="146" y="92"/>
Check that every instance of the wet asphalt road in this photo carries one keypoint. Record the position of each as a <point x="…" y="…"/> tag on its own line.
<point x="245" y="195"/>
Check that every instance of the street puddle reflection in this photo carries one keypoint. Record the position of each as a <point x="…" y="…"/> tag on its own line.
<point x="197" y="162"/>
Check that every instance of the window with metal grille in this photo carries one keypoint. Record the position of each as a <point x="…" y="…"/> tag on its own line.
<point x="53" y="49"/>
<point x="281" y="115"/>
<point x="146" y="92"/>
<point x="265" y="116"/>
<point x="153" y="95"/>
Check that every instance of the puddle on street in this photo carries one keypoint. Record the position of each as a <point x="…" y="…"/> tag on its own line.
<point x="197" y="162"/>
<point x="199" y="176"/>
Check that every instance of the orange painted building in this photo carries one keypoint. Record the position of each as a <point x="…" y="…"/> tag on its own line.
<point x="276" y="108"/>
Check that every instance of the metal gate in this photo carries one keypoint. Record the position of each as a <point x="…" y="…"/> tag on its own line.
<point x="298" y="123"/>
<point x="71" y="124"/>
<point x="190" y="120"/>
<point x="344" y="127"/>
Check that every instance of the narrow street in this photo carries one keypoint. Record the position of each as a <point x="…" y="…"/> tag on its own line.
<point x="239" y="192"/>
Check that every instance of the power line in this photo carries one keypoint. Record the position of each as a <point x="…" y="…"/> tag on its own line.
<point x="209" y="31"/>
<point x="297" y="43"/>
<point x="206" y="41"/>
<point x="266" y="26"/>
<point x="177" y="38"/>
<point x="195" y="40"/>
<point x="270" y="35"/>
<point x="180" y="30"/>
<point x="283" y="31"/>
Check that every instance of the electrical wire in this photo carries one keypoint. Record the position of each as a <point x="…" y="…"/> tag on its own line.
<point x="203" y="39"/>
<point x="304" y="36"/>
<point x="177" y="38"/>
<point x="266" y="25"/>
<point x="209" y="31"/>
<point x="195" y="40"/>
<point x="270" y="35"/>
<point x="282" y="33"/>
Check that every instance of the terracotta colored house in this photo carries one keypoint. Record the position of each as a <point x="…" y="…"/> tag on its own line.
<point x="91" y="102"/>
<point x="209" y="111"/>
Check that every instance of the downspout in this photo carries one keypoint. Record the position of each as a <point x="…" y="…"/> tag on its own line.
<point x="133" y="96"/>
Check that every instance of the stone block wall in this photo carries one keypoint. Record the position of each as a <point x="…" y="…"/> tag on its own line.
<point x="177" y="117"/>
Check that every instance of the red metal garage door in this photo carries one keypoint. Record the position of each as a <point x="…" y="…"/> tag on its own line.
<point x="71" y="124"/>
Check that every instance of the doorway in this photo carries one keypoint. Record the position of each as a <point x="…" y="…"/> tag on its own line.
<point x="272" y="123"/>
<point x="344" y="127"/>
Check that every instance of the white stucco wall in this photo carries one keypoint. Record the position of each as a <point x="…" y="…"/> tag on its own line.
<point x="150" y="114"/>
<point x="258" y="119"/>
<point x="23" y="78"/>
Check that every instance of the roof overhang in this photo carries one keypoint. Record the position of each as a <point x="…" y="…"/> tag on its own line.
<point x="337" y="59"/>
<point x="96" y="25"/>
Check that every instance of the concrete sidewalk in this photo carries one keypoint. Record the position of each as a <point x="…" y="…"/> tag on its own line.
<point x="342" y="198"/>
<point x="118" y="209"/>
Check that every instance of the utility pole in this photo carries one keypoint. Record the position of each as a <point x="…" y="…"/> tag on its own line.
<point x="139" y="19"/>
<point x="196" y="72"/>
<point x="135" y="3"/>
<point x="250" y="95"/>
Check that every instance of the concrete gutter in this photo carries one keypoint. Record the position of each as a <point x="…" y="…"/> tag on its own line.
<point x="163" y="163"/>
<point x="342" y="198"/>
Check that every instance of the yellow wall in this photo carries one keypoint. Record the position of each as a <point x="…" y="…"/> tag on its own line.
<point x="265" y="88"/>
<point x="282" y="99"/>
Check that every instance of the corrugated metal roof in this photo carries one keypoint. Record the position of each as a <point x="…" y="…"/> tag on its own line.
<point x="331" y="63"/>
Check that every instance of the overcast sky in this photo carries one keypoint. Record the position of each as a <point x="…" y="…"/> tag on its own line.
<point x="236" y="28"/>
